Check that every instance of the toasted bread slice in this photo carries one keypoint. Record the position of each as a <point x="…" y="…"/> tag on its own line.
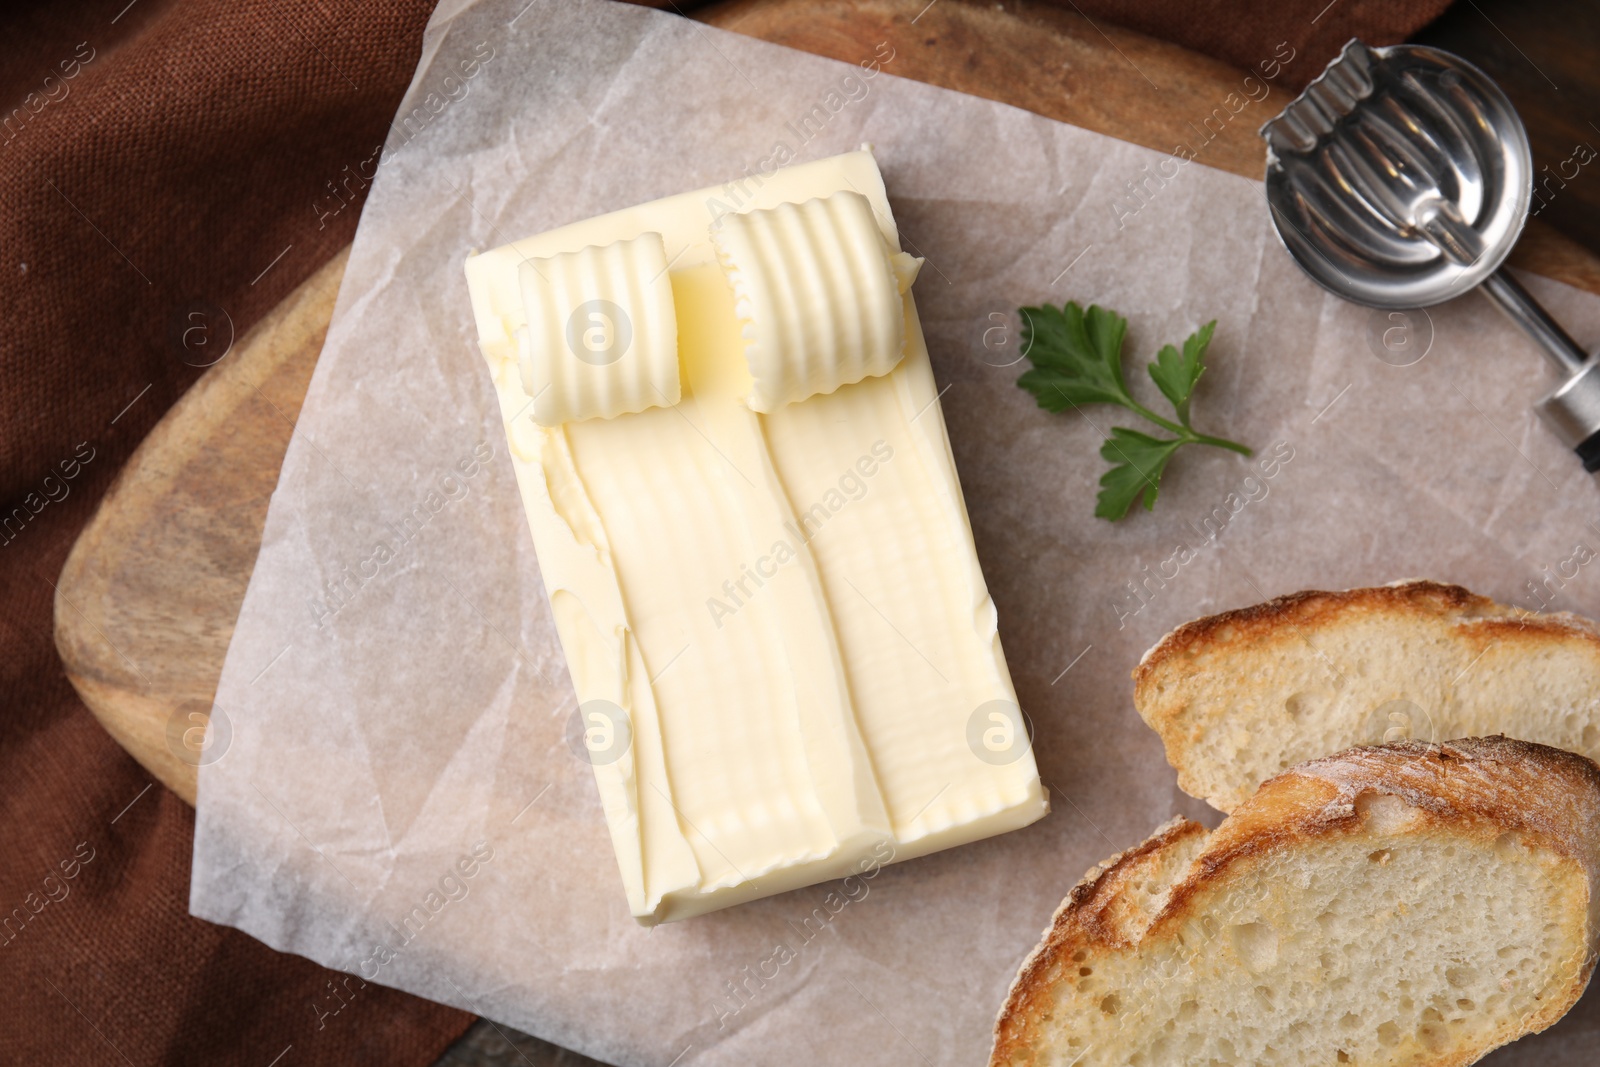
<point x="1241" y="696"/>
<point x="1404" y="904"/>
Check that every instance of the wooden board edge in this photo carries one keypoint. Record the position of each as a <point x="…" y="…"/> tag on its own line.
<point x="116" y="692"/>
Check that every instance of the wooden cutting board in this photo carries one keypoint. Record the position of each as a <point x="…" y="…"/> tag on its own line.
<point x="147" y="600"/>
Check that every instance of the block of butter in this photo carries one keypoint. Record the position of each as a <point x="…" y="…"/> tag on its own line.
<point x="731" y="453"/>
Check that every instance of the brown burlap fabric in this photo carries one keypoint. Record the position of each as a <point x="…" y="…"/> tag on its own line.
<point x="153" y="154"/>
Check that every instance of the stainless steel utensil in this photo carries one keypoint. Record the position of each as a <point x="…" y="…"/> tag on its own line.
<point x="1401" y="178"/>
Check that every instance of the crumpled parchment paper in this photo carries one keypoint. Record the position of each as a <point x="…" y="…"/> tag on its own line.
<point x="404" y="797"/>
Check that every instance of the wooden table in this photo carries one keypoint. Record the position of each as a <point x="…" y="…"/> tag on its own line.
<point x="148" y="598"/>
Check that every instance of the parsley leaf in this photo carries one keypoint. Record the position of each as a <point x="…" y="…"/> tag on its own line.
<point x="1140" y="460"/>
<point x="1077" y="359"/>
<point x="1076" y="356"/>
<point x="1176" y="374"/>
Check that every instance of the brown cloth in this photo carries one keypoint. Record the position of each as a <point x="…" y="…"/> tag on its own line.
<point x="165" y="156"/>
<point x="153" y="154"/>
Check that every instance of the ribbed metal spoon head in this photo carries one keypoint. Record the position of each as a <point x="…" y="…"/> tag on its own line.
<point x="1400" y="178"/>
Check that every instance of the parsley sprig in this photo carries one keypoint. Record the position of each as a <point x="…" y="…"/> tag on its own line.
<point x="1077" y="360"/>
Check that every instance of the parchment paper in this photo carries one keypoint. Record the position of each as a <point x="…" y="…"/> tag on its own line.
<point x="394" y="687"/>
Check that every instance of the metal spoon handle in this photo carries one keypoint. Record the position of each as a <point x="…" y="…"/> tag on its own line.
<point x="1525" y="311"/>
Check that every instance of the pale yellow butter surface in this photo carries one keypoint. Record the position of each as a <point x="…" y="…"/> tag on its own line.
<point x="786" y="607"/>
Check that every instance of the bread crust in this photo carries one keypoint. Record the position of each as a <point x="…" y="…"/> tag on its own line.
<point x="1084" y="918"/>
<point x="1480" y="787"/>
<point x="1313" y="607"/>
<point x="1220" y="641"/>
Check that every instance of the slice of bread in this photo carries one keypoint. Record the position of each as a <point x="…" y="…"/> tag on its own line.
<point x="1241" y="696"/>
<point x="1405" y="904"/>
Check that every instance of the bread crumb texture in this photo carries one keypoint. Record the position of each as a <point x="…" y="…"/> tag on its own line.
<point x="1403" y="904"/>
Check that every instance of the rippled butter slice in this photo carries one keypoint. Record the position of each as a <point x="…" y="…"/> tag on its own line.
<point x="817" y="293"/>
<point x="601" y="334"/>
<point x="781" y="614"/>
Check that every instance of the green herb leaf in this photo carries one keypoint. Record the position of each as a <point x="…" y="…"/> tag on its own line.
<point x="1077" y="359"/>
<point x="1140" y="459"/>
<point x="1076" y="356"/>
<point x="1176" y="374"/>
